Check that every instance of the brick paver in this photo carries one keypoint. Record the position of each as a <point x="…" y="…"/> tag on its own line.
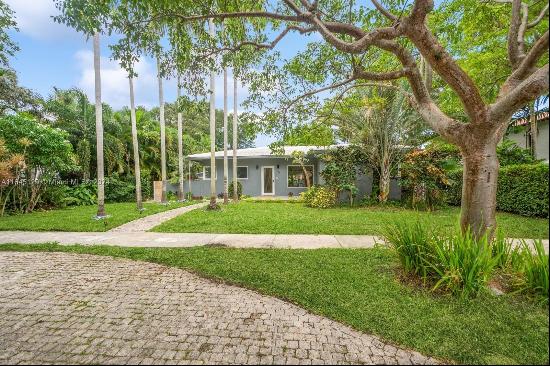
<point x="67" y="308"/>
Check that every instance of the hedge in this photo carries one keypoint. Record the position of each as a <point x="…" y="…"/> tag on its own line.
<point x="522" y="189"/>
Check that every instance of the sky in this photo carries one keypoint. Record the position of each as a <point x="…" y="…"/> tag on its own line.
<point x="52" y="54"/>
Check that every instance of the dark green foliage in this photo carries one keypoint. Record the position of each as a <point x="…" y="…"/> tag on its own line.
<point x="239" y="189"/>
<point x="509" y="153"/>
<point x="522" y="189"/>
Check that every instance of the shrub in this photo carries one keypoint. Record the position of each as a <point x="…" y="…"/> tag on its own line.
<point x="522" y="189"/>
<point x="239" y="189"/>
<point x="319" y="197"/>
<point x="82" y="194"/>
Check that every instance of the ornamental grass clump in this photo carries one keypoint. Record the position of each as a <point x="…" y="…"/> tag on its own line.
<point x="531" y="267"/>
<point x="462" y="264"/>
<point x="456" y="262"/>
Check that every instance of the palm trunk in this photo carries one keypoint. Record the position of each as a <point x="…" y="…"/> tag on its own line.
<point x="137" y="171"/>
<point x="384" y="183"/>
<point x="479" y="190"/>
<point x="99" y="130"/>
<point x="225" y="165"/>
<point x="181" y="195"/>
<point x="213" y="176"/>
<point x="235" y="143"/>
<point x="162" y="136"/>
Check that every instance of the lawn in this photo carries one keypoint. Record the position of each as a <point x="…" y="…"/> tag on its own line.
<point x="80" y="218"/>
<point x="264" y="217"/>
<point x="360" y="288"/>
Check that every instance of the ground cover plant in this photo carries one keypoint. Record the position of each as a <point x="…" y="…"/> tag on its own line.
<point x="362" y="288"/>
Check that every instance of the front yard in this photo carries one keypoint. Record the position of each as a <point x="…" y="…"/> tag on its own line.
<point x="361" y="288"/>
<point x="265" y="217"/>
<point x="80" y="218"/>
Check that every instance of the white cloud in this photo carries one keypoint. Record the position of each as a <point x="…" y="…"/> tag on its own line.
<point x="34" y="18"/>
<point x="114" y="83"/>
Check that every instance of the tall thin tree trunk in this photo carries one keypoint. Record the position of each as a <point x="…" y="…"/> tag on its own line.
<point x="181" y="195"/>
<point x="225" y="142"/>
<point x="479" y="189"/>
<point x="137" y="171"/>
<point x="99" y="130"/>
<point x="213" y="175"/>
<point x="162" y="136"/>
<point x="235" y="141"/>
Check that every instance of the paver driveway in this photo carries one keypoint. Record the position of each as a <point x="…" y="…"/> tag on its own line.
<point x="66" y="308"/>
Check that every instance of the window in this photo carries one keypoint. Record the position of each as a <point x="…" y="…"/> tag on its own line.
<point x="206" y="173"/>
<point x="296" y="176"/>
<point x="242" y="172"/>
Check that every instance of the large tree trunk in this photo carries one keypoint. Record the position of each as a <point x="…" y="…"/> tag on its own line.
<point x="99" y="130"/>
<point x="137" y="172"/>
<point x="181" y="195"/>
<point x="235" y="142"/>
<point x="479" y="189"/>
<point x="213" y="175"/>
<point x="162" y="136"/>
<point x="225" y="142"/>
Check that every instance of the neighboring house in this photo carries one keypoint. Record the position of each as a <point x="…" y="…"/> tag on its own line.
<point x="262" y="173"/>
<point x="520" y="133"/>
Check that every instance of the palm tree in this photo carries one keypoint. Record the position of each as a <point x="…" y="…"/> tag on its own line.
<point x="137" y="172"/>
<point x="181" y="196"/>
<point x="162" y="136"/>
<point x="235" y="133"/>
<point x="225" y="168"/>
<point x="213" y="177"/>
<point x="99" y="131"/>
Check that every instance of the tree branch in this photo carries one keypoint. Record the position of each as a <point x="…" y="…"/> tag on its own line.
<point x="513" y="33"/>
<point x="384" y="11"/>
<point x="526" y="91"/>
<point x="527" y="66"/>
<point x="539" y="18"/>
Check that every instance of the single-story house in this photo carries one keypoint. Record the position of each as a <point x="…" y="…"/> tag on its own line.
<point x="520" y="133"/>
<point x="263" y="173"/>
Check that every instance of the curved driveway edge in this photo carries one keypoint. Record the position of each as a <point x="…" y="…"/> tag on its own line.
<point x="72" y="309"/>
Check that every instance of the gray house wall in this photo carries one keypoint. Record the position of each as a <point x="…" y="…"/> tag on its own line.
<point x="252" y="185"/>
<point x="520" y="138"/>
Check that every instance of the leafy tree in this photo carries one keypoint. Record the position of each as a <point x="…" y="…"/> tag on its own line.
<point x="42" y="152"/>
<point x="16" y="98"/>
<point x="382" y="121"/>
<point x="314" y="134"/>
<point x="7" y="46"/>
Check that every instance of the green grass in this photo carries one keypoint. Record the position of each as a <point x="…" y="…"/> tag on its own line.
<point x="294" y="218"/>
<point x="360" y="288"/>
<point x="80" y="218"/>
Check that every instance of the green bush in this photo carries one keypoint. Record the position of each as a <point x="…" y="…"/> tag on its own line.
<point x="319" y="197"/>
<point x="81" y="195"/>
<point x="239" y="189"/>
<point x="522" y="189"/>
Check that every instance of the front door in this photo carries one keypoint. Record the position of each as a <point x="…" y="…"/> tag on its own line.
<point x="268" y="181"/>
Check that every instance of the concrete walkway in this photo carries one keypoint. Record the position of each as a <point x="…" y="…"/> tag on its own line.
<point x="149" y="222"/>
<point x="183" y="240"/>
<point x="152" y="239"/>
